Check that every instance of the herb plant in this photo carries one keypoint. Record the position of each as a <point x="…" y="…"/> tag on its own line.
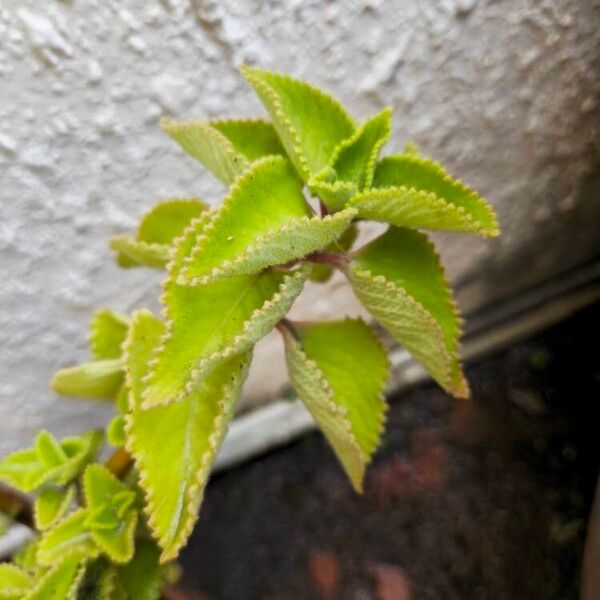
<point x="113" y="529"/>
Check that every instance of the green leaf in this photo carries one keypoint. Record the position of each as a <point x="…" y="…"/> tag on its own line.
<point x="26" y="556"/>
<point x="416" y="192"/>
<point x="400" y="281"/>
<point x="99" y="379"/>
<point x="174" y="446"/>
<point x="211" y="323"/>
<point x="108" y="330"/>
<point x="14" y="582"/>
<point x="49" y="451"/>
<point x="226" y="148"/>
<point x="263" y="201"/>
<point x="71" y="537"/>
<point x="142" y="577"/>
<point x="135" y="253"/>
<point x="52" y="504"/>
<point x="100" y="582"/>
<point x="354" y="159"/>
<point x="353" y="162"/>
<point x="253" y="138"/>
<point x="29" y="469"/>
<point x="115" y="432"/>
<point x="279" y="246"/>
<point x="60" y="582"/>
<point x="112" y="516"/>
<point x="310" y="124"/>
<point x="339" y="370"/>
<point x="166" y="220"/>
<point x="158" y="228"/>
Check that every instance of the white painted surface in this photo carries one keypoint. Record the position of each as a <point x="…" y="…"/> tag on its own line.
<point x="503" y="92"/>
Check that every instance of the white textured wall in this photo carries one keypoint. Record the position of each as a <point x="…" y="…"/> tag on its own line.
<point x="504" y="92"/>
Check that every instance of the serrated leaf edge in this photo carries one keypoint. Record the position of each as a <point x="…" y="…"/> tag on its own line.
<point x="235" y="266"/>
<point x="336" y="408"/>
<point x="122" y="243"/>
<point x="214" y="441"/>
<point x="164" y="202"/>
<point x="438" y="204"/>
<point x="95" y="331"/>
<point x="460" y="388"/>
<point x="250" y="75"/>
<point x="241" y="343"/>
<point x="236" y="188"/>
<point x="130" y="522"/>
<point x="370" y="167"/>
<point x="65" y="553"/>
<point x="14" y="591"/>
<point x="72" y="593"/>
<point x="60" y="514"/>
<point x="492" y="231"/>
<point x="169" y="125"/>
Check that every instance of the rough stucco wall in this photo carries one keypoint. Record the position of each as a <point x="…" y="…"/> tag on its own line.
<point x="503" y="92"/>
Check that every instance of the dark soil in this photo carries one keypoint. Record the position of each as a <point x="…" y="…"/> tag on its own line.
<point x="485" y="499"/>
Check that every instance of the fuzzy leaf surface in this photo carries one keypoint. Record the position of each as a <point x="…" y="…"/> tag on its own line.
<point x="158" y="228"/>
<point x="263" y="201"/>
<point x="353" y="162"/>
<point x="71" y="537"/>
<point x="400" y="281"/>
<point x="107" y="332"/>
<point x="279" y="246"/>
<point x="52" y="504"/>
<point x="208" y="324"/>
<point x="142" y="577"/>
<point x="310" y="123"/>
<point x="60" y="582"/>
<point x="14" y="582"/>
<point x="339" y="370"/>
<point x="112" y="516"/>
<point x="49" y="462"/>
<point x="97" y="380"/>
<point x="411" y="191"/>
<point x="226" y="148"/>
<point x="115" y="432"/>
<point x="174" y="446"/>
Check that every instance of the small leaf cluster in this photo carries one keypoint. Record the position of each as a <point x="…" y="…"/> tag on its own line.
<point x="298" y="187"/>
<point x="89" y="540"/>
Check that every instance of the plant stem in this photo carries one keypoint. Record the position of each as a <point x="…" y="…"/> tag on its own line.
<point x="339" y="260"/>
<point x="119" y="463"/>
<point x="17" y="506"/>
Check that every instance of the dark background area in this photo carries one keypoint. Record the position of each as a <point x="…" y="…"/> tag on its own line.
<point x="480" y="499"/>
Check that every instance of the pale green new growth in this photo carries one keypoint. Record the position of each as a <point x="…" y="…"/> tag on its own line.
<point x="339" y="370"/>
<point x="100" y="379"/>
<point x="52" y="504"/>
<point x="49" y="462"/>
<point x="60" y="582"/>
<point x="233" y="273"/>
<point x="14" y="582"/>
<point x="71" y="537"/>
<point x="353" y="163"/>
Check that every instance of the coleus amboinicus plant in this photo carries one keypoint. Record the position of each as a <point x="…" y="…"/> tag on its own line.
<point x="233" y="273"/>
